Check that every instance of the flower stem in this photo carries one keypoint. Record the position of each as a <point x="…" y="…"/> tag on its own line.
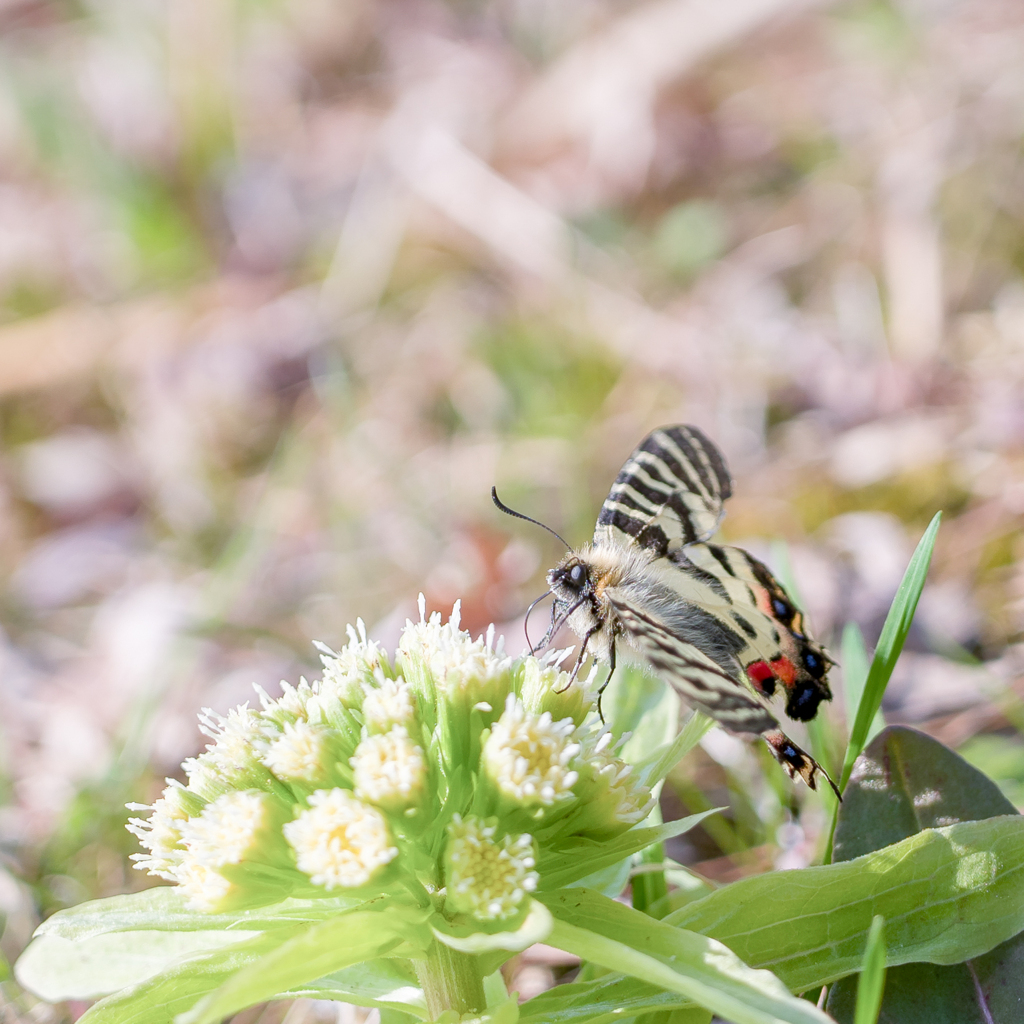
<point x="451" y="981"/>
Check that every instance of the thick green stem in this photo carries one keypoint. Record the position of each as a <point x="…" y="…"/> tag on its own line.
<point x="451" y="981"/>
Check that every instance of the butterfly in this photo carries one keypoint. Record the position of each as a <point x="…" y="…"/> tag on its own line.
<point x="709" y="619"/>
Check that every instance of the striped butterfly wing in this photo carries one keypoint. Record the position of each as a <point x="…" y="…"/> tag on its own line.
<point x="707" y="687"/>
<point x="670" y="493"/>
<point x="668" y="499"/>
<point x="776" y="654"/>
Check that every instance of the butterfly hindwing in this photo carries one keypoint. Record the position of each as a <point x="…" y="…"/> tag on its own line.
<point x="670" y="492"/>
<point x="710" y="689"/>
<point x="778" y="654"/>
<point x="704" y="684"/>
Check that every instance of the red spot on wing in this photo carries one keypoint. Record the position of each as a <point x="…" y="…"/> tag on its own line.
<point x="759" y="673"/>
<point x="784" y="670"/>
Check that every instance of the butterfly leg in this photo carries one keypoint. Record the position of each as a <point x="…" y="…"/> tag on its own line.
<point x="579" y="658"/>
<point x="604" y="685"/>
<point x="796" y="761"/>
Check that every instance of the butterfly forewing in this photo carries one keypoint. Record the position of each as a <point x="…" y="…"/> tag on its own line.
<point x="670" y="492"/>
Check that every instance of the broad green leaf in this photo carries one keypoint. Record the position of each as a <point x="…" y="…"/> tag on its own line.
<point x="703" y="970"/>
<point x="905" y="782"/>
<point x="945" y="894"/>
<point x="158" y="1000"/>
<point x="986" y="991"/>
<point x="55" y="968"/>
<point x="611" y="998"/>
<point x="384" y="984"/>
<point x="872" y="977"/>
<point x="890" y="645"/>
<point x="396" y="1017"/>
<point x="610" y="881"/>
<point x="574" y="860"/>
<point x="316" y="951"/>
<point x="163" y="908"/>
<point x="602" y="1001"/>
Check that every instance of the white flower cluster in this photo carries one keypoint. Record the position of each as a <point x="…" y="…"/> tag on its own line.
<point x="352" y="780"/>
<point x="339" y="841"/>
<point x="488" y="877"/>
<point x="528" y="757"/>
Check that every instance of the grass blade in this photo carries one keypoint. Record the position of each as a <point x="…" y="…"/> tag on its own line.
<point x="855" y="675"/>
<point x="872" y="977"/>
<point x="890" y="644"/>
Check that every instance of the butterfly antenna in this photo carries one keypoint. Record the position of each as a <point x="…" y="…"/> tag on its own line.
<point x="519" y="515"/>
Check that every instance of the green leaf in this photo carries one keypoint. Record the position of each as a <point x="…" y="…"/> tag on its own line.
<point x="905" y="782"/>
<point x="855" y="675"/>
<point x="890" y="645"/>
<point x="872" y="977"/>
<point x="181" y="983"/>
<point x="703" y="970"/>
<point x="55" y="968"/>
<point x="945" y="894"/>
<point x="163" y="908"/>
<point x="983" y="991"/>
<point x="159" y="999"/>
<point x="658" y="764"/>
<point x="572" y="861"/>
<point x="384" y="984"/>
<point x="316" y="951"/>
<point x="611" y="998"/>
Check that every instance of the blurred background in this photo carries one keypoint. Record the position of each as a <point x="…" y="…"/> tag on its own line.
<point x="286" y="285"/>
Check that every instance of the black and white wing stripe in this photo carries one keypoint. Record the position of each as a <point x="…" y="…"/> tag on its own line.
<point x="670" y="492"/>
<point x="703" y="684"/>
<point x="708" y="688"/>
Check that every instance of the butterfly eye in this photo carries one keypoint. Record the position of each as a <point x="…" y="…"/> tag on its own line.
<point x="576" y="574"/>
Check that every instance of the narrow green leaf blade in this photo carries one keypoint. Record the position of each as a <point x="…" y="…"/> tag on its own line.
<point x="622" y="939"/>
<point x="658" y="764"/>
<point x="872" y="977"/>
<point x="580" y="858"/>
<point x="890" y="645"/>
